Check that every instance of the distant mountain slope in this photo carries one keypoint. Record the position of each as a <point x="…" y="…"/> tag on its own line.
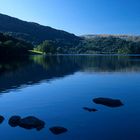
<point x="134" y="38"/>
<point x="33" y="32"/>
<point x="105" y="43"/>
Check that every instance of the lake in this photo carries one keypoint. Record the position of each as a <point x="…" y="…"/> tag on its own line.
<point x="56" y="89"/>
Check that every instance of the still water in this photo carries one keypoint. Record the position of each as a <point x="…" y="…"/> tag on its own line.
<point x="56" y="88"/>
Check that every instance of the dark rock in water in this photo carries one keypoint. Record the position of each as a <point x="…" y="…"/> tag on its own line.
<point x="27" y="123"/>
<point x="14" y="121"/>
<point x="31" y="122"/>
<point x="1" y="119"/>
<point x="108" y="102"/>
<point x="90" y="109"/>
<point x="58" y="130"/>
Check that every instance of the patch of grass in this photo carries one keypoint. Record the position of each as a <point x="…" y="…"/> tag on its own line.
<point x="35" y="52"/>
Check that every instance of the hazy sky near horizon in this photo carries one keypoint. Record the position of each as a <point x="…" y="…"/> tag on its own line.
<point x="79" y="16"/>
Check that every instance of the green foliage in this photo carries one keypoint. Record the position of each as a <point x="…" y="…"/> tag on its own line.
<point x="112" y="45"/>
<point x="48" y="47"/>
<point x="11" y="46"/>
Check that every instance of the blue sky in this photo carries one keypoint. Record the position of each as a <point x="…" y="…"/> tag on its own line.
<point x="79" y="16"/>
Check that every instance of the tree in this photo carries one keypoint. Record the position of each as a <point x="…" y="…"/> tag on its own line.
<point x="48" y="47"/>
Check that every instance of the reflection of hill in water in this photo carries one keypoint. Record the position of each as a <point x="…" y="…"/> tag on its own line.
<point x="110" y="63"/>
<point x="38" y="68"/>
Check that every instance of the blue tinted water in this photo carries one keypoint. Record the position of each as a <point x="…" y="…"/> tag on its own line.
<point x="55" y="89"/>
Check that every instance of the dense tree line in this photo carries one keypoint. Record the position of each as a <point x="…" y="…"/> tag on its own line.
<point x="113" y="45"/>
<point x="57" y="47"/>
<point x="11" y="46"/>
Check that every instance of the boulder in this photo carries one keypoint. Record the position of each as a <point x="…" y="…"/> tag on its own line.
<point x="31" y="122"/>
<point x="58" y="130"/>
<point x="1" y="119"/>
<point x="90" y="109"/>
<point x="108" y="102"/>
<point x="27" y="123"/>
<point x="14" y="121"/>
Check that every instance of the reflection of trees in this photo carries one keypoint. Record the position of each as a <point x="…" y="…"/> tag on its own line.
<point x="33" y="70"/>
<point x="110" y="63"/>
<point x="58" y="65"/>
<point x="39" y="69"/>
<point x="12" y="64"/>
<point x="98" y="63"/>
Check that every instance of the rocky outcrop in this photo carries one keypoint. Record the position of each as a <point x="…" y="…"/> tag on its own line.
<point x="27" y="123"/>
<point x="90" y="109"/>
<point x="58" y="130"/>
<point x="108" y="102"/>
<point x="1" y="119"/>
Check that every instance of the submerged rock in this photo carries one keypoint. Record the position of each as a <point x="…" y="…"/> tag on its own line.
<point x="31" y="122"/>
<point x="14" y="121"/>
<point x="1" y="119"/>
<point x="90" y="109"/>
<point x="58" y="130"/>
<point x="108" y="102"/>
<point x="27" y="123"/>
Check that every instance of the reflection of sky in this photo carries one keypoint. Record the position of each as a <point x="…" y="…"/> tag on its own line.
<point x="61" y="102"/>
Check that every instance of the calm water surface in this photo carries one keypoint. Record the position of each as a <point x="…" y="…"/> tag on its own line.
<point x="56" y="88"/>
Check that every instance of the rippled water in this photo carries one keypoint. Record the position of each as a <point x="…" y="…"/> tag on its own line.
<point x="56" y="88"/>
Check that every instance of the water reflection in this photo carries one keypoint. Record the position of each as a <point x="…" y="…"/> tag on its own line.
<point x="27" y="71"/>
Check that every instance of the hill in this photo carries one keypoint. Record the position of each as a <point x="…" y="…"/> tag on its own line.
<point x="51" y="41"/>
<point x="122" y="44"/>
<point x="134" y="38"/>
<point x="108" y="44"/>
<point x="10" y="46"/>
<point x="33" y="32"/>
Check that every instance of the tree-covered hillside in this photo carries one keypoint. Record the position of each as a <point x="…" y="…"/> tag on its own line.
<point x="112" y="45"/>
<point x="51" y="41"/>
<point x="10" y="46"/>
<point x="33" y="32"/>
